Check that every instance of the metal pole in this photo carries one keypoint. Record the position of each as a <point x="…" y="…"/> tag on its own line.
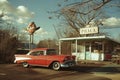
<point x="32" y="38"/>
<point x="30" y="43"/>
<point x="85" y="50"/>
<point x="59" y="47"/>
<point x="76" y="51"/>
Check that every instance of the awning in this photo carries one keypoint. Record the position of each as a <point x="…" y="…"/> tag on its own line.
<point x="85" y="38"/>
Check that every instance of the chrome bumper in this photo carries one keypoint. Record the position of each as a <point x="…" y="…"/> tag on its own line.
<point x="68" y="64"/>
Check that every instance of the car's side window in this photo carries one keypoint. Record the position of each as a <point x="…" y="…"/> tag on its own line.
<point x="41" y="53"/>
<point x="37" y="53"/>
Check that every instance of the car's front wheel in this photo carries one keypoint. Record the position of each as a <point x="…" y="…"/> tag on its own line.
<point x="56" y="65"/>
<point x="25" y="64"/>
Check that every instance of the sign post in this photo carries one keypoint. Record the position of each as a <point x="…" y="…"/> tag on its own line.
<point x="31" y="29"/>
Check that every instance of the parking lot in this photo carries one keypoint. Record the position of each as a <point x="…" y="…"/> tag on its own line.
<point x="80" y="72"/>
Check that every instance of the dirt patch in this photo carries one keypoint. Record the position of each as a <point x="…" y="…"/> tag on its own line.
<point x="17" y="72"/>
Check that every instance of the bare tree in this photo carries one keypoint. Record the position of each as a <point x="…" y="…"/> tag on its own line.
<point x="81" y="14"/>
<point x="8" y="42"/>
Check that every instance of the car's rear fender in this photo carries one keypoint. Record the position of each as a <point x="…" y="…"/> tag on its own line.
<point x="50" y="65"/>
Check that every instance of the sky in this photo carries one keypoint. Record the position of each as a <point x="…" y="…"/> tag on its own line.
<point x="22" y="12"/>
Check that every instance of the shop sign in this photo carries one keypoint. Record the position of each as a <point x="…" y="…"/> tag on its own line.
<point x="89" y="30"/>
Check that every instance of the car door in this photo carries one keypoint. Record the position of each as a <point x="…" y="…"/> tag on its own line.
<point x="38" y="58"/>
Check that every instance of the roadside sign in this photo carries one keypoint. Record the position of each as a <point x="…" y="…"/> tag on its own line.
<point x="89" y="30"/>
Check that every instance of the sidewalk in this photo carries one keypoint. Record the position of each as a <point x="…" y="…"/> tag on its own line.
<point x="88" y="63"/>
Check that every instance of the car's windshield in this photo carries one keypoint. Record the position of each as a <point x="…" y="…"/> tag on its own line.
<point x="51" y="52"/>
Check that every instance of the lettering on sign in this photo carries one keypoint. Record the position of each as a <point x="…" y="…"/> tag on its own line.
<point x="90" y="30"/>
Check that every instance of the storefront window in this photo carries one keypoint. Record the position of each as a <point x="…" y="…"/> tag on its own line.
<point x="96" y="47"/>
<point x="87" y="47"/>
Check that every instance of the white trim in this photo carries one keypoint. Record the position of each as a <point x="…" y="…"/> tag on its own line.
<point x="83" y="38"/>
<point x="21" y="58"/>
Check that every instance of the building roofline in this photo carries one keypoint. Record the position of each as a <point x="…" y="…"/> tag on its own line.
<point x="84" y="38"/>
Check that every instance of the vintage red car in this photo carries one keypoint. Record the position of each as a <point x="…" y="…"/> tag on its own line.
<point x="45" y="57"/>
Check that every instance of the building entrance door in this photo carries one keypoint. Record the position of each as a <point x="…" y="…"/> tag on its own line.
<point x="87" y="51"/>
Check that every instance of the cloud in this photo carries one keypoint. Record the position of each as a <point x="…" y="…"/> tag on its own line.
<point x="41" y="31"/>
<point x="111" y="22"/>
<point x="24" y="12"/>
<point x="5" y="17"/>
<point x="20" y="13"/>
<point x="22" y="20"/>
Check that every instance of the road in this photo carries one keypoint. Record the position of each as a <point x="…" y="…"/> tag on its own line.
<point x="17" y="72"/>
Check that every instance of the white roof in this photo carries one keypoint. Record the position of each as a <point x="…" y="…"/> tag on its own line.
<point x="85" y="38"/>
